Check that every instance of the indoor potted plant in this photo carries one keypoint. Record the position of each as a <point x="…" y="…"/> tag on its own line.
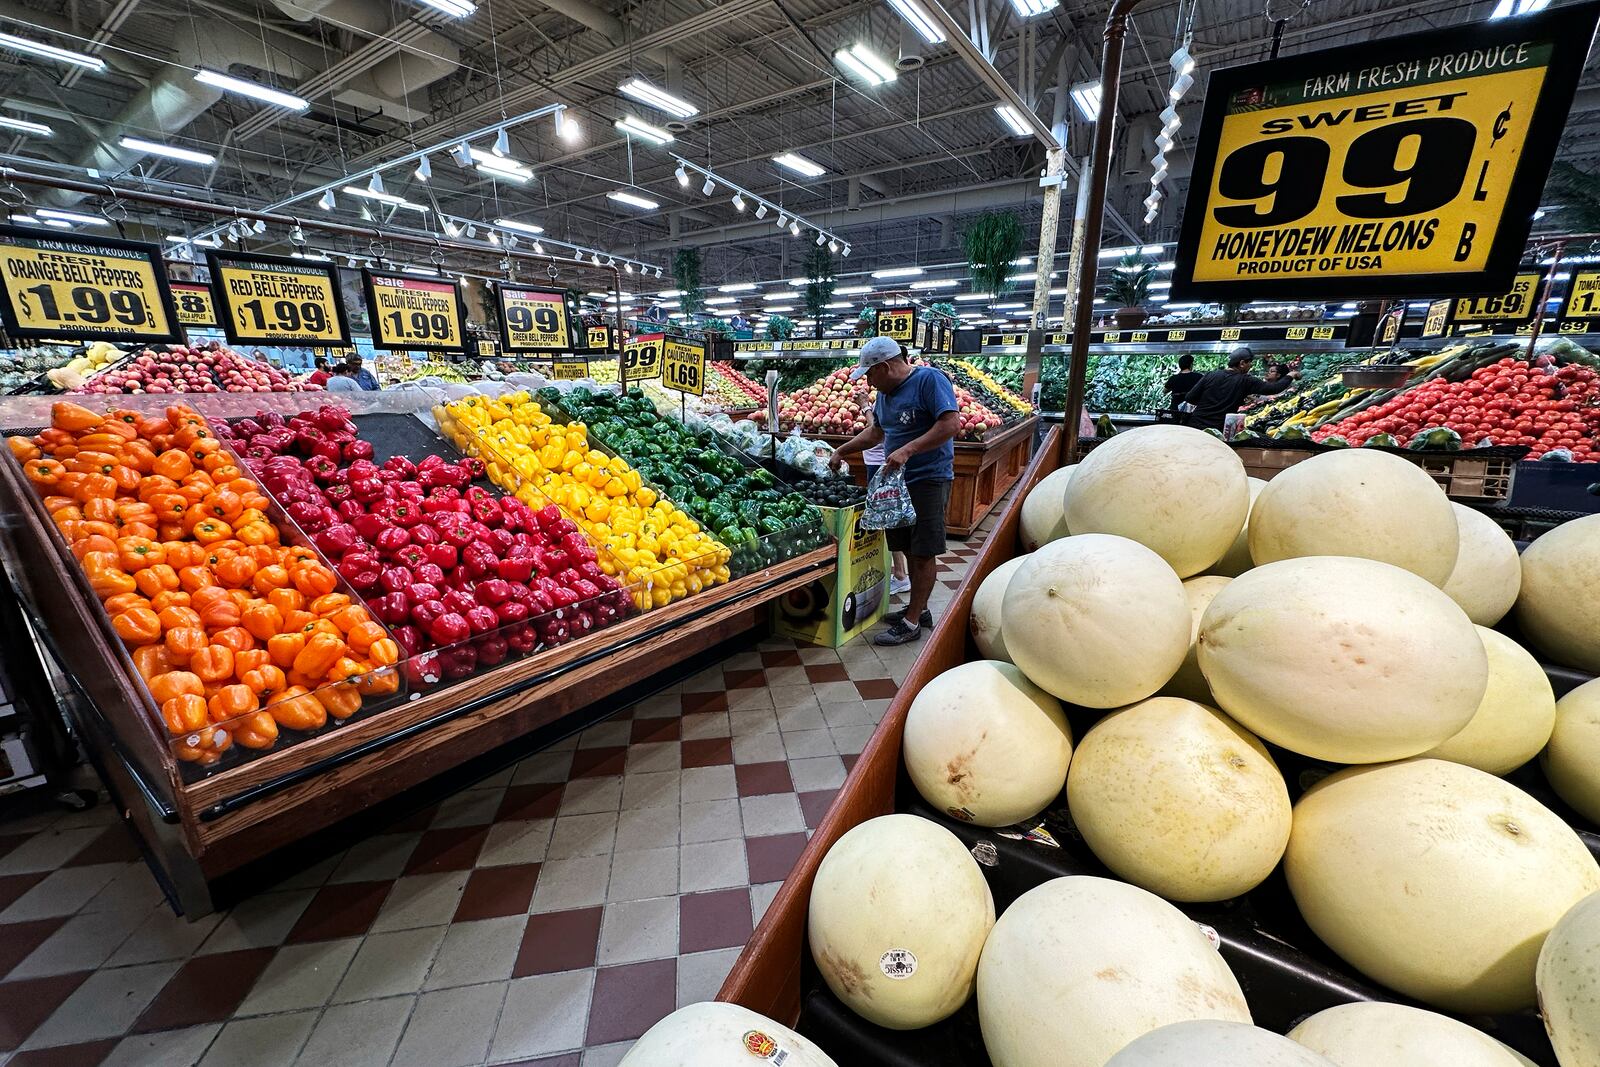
<point x="1128" y="288"/>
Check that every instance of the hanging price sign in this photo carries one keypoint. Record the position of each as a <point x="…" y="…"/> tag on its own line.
<point x="1514" y="305"/>
<point x="899" y="324"/>
<point x="83" y="287"/>
<point x="683" y="367"/>
<point x="1583" y="298"/>
<point x="1389" y="326"/>
<point x="410" y="313"/>
<point x="194" y="304"/>
<point x="1402" y="167"/>
<point x="485" y="349"/>
<point x="273" y="300"/>
<point x="534" y="320"/>
<point x="569" y="368"/>
<point x="641" y="357"/>
<point x="597" y="339"/>
<point x="1437" y="319"/>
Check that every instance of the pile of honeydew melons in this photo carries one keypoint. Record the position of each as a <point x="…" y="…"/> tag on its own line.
<point x="1341" y="613"/>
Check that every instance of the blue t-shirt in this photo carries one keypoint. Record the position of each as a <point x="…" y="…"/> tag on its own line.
<point x="909" y="412"/>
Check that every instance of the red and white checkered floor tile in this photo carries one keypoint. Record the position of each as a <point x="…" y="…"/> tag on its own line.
<point x="548" y="915"/>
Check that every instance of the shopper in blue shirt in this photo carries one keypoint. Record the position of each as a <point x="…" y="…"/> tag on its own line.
<point x="363" y="377"/>
<point x="916" y="418"/>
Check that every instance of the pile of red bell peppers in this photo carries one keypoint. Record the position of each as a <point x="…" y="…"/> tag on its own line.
<point x="463" y="577"/>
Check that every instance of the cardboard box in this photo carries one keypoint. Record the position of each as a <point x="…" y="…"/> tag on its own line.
<point x="831" y="611"/>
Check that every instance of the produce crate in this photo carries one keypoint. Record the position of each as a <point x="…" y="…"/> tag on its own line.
<point x="1285" y="971"/>
<point x="1479" y="475"/>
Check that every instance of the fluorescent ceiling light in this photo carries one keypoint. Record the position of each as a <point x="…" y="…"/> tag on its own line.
<point x="25" y="126"/>
<point x="1152" y="250"/>
<point x="669" y="293"/>
<point x="646" y="93"/>
<point x="797" y="282"/>
<point x="1009" y="307"/>
<point x="1107" y="253"/>
<point x="974" y="296"/>
<point x="72" y="216"/>
<point x="1030" y="8"/>
<point x="1086" y="95"/>
<point x="736" y="287"/>
<point x="638" y="128"/>
<point x="851" y="290"/>
<point x="50" y="51"/>
<point x="228" y="82"/>
<point x="57" y="223"/>
<point x="384" y="198"/>
<point x="520" y="227"/>
<point x="623" y="197"/>
<point x="800" y="165"/>
<point x="1028" y="277"/>
<point x="207" y="242"/>
<point x="1518" y="7"/>
<point x="860" y="60"/>
<point x="427" y="272"/>
<point x="1167" y="265"/>
<point x="721" y="300"/>
<point x="939" y="284"/>
<point x="139" y="144"/>
<point x="458" y="8"/>
<point x="777" y="307"/>
<point x="29" y="220"/>
<point x="1161" y="285"/>
<point x="1013" y="121"/>
<point x="914" y="14"/>
<point x="897" y="272"/>
<point x="500" y="165"/>
<point x="839" y="304"/>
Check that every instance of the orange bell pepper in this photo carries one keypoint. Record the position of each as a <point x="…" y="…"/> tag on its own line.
<point x="265" y="682"/>
<point x="22" y="449"/>
<point x="257" y="731"/>
<point x="95" y="485"/>
<point x="174" y="463"/>
<point x="140" y="456"/>
<point x="257" y="533"/>
<point x="184" y="642"/>
<point x="151" y="661"/>
<point x="321" y="626"/>
<point x="194" y="578"/>
<point x="287" y="600"/>
<point x="136" y="553"/>
<point x="214" y="663"/>
<point x="100" y="509"/>
<point x="175" y="617"/>
<point x="141" y="529"/>
<point x="219" y="613"/>
<point x="320" y="653"/>
<point x="250" y="659"/>
<point x="116" y="605"/>
<point x="341" y="701"/>
<point x="262" y="620"/>
<point x="106" y="578"/>
<point x="184" y="713"/>
<point x="344" y="669"/>
<point x="234" y="637"/>
<point x="93" y="543"/>
<point x="223" y="504"/>
<point x="380" y="682"/>
<point x="384" y="652"/>
<point x="169" y="598"/>
<point x="208" y="531"/>
<point x="313" y="579"/>
<point x="169" y="507"/>
<point x="175" y="684"/>
<point x="45" y="472"/>
<point x="232" y="701"/>
<point x="137" y="626"/>
<point x="65" y="415"/>
<point x="156" y="579"/>
<point x="328" y="603"/>
<point x="296" y="709"/>
<point x="270" y="577"/>
<point x="132" y="511"/>
<point x="286" y="648"/>
<point x="362" y="636"/>
<point x="236" y="571"/>
<point x="298" y="621"/>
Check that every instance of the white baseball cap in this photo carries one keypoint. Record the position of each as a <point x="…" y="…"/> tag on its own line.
<point x="877" y="350"/>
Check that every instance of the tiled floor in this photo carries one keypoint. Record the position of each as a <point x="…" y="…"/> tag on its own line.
<point x="548" y="915"/>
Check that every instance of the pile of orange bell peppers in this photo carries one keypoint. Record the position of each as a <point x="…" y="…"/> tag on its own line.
<point x="235" y="634"/>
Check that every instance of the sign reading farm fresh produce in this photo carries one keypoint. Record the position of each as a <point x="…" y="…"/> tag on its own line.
<point x="194" y="304"/>
<point x="1405" y="167"/>
<point x="410" y="313"/>
<point x="683" y="367"/>
<point x="1513" y="305"/>
<point x="534" y="320"/>
<point x="899" y="323"/>
<point x="641" y="357"/>
<point x="273" y="300"/>
<point x="89" y="287"/>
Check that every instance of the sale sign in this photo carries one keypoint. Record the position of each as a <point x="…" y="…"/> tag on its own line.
<point x="1407" y="167"/>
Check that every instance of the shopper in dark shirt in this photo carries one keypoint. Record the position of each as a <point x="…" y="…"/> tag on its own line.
<point x="1178" y="385"/>
<point x="1219" y="393"/>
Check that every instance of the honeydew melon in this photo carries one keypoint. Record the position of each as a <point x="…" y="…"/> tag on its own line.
<point x="1571" y="760"/>
<point x="1042" y="520"/>
<point x="987" y="621"/>
<point x="1189" y="683"/>
<point x="1078" y="967"/>
<point x="1174" y="489"/>
<point x="1488" y="572"/>
<point x="717" y="1034"/>
<point x="1342" y="659"/>
<point x="899" y="913"/>
<point x="1515" y="717"/>
<point x="985" y="745"/>
<point x="1569" y="984"/>
<point x="1558" y="606"/>
<point x="1357" y="502"/>
<point x="1104" y="620"/>
<point x="1435" y="879"/>
<point x="1210" y="1043"/>
<point x="1236" y="560"/>
<point x="1176" y="797"/>
<point x="1374" y="1032"/>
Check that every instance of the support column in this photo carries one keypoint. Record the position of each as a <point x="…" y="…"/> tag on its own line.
<point x="1076" y="251"/>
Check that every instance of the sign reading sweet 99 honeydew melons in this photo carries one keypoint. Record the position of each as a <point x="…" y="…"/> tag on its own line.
<point x="1407" y="167"/>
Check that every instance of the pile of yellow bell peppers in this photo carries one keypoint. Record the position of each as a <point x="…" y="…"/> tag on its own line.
<point x="645" y="541"/>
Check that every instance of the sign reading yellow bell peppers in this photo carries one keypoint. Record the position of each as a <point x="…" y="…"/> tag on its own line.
<point x="412" y="314"/>
<point x="1402" y="167"/>
<point x="90" y="287"/>
<point x="274" y="300"/>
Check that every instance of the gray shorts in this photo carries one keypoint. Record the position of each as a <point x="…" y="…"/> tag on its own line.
<point x="924" y="538"/>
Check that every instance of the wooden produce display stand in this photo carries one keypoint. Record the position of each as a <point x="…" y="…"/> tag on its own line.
<point x="985" y="471"/>
<point x="196" y="829"/>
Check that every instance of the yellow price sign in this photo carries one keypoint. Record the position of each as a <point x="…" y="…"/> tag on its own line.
<point x="899" y="324"/>
<point x="1583" y="295"/>
<point x="534" y="320"/>
<point x="1295" y="333"/>
<point x="410" y="313"/>
<point x="1139" y="336"/>
<point x="597" y="338"/>
<point x="683" y="367"/>
<point x="1177" y="335"/>
<point x="641" y="357"/>
<point x="1112" y="337"/>
<point x="486" y="350"/>
<point x="1396" y="167"/>
<point x="1393" y="319"/>
<point x="1573" y="326"/>
<point x="88" y="287"/>
<point x="1230" y="333"/>
<point x="194" y="304"/>
<point x="1433" y="323"/>
<point x="1514" y="305"/>
<point x="273" y="300"/>
<point x="570" y="368"/>
<point x="1322" y="333"/>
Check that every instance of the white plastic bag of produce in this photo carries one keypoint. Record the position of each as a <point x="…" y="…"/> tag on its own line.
<point x="888" y="502"/>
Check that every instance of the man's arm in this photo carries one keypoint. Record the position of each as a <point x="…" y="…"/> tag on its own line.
<point x="1262" y="387"/>
<point x="1193" y="395"/>
<point x="862" y="441"/>
<point x="945" y="429"/>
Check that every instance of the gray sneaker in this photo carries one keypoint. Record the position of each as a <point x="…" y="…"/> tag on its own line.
<point x="899" y="633"/>
<point x="925" y="619"/>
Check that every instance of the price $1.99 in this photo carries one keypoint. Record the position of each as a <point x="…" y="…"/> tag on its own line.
<point x="87" y="304"/>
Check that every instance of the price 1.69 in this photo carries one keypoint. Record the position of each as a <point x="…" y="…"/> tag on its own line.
<point x="86" y="304"/>
<point x="683" y="376"/>
<point x="283" y="316"/>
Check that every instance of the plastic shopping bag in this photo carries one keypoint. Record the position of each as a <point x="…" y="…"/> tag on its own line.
<point x="888" y="502"/>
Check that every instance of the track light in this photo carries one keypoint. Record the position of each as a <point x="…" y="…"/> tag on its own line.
<point x="462" y="154"/>
<point x="259" y="226"/>
<point x="794" y="228"/>
<point x="822" y="239"/>
<point x="327" y="202"/>
<point x="846" y="252"/>
<point x="567" y="129"/>
<point x="833" y="246"/>
<point x="451" y="229"/>
<point x="761" y="211"/>
<point x="375" y="185"/>
<point x="683" y="176"/>
<point x="502" y="143"/>
<point x="738" y="201"/>
<point x="628" y="267"/>
<point x="709" y="187"/>
<point x="539" y="248"/>
<point x="1182" y="61"/>
<point x="424" y="169"/>
<point x="1180" y="85"/>
<point x="783" y="220"/>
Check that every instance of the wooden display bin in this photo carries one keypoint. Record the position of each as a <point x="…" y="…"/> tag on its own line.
<point x="196" y="829"/>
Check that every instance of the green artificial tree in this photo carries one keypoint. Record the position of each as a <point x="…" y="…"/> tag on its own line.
<point x="686" y="272"/>
<point x="992" y="241"/>
<point x="867" y="321"/>
<point x="780" y="328"/>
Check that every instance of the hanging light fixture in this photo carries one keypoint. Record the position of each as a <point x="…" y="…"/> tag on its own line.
<point x="833" y="246"/>
<point x="462" y="154"/>
<point x="375" y="184"/>
<point x="846" y="252"/>
<point x="683" y="176"/>
<point x="709" y="187"/>
<point x="424" y="169"/>
<point x="567" y="129"/>
<point x="761" y="211"/>
<point x="794" y="228"/>
<point x="822" y="238"/>
<point x="502" y="143"/>
<point x="327" y="202"/>
<point x="738" y="202"/>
